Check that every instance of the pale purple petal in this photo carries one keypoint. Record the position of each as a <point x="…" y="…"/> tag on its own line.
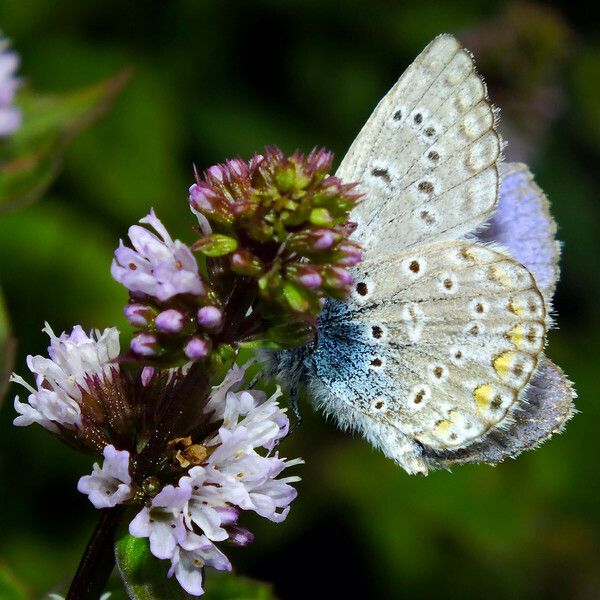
<point x="157" y="266"/>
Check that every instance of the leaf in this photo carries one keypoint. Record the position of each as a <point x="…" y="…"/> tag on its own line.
<point x="7" y="349"/>
<point x="145" y="577"/>
<point x="10" y="588"/>
<point x="31" y="158"/>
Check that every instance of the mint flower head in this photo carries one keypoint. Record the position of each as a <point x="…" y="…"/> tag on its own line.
<point x="282" y="221"/>
<point x="10" y="115"/>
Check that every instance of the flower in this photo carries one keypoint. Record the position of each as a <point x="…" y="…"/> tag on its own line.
<point x="156" y="266"/>
<point x="190" y="558"/>
<point x="111" y="484"/>
<point x="235" y="471"/>
<point x="64" y="378"/>
<point x="163" y="521"/>
<point x="10" y="116"/>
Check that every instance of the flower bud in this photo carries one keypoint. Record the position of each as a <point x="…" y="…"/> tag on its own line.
<point x="350" y="254"/>
<point x="209" y="317"/>
<point x="240" y="536"/>
<point x="145" y="344"/>
<point x="338" y="278"/>
<point x="170" y="321"/>
<point x="197" y="347"/>
<point x="215" y="245"/>
<point x="139" y="315"/>
<point x="321" y="217"/>
<point x="245" y="263"/>
<point x="146" y="375"/>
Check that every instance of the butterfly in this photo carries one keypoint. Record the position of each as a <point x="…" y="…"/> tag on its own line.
<point x="437" y="356"/>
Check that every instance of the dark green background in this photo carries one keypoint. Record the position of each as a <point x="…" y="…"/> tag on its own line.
<point x="217" y="79"/>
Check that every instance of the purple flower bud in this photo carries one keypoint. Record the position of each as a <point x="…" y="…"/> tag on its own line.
<point x="170" y="321"/>
<point x="216" y="172"/>
<point x="352" y="255"/>
<point x="325" y="238"/>
<point x="145" y="344"/>
<point x="209" y="317"/>
<point x="339" y="277"/>
<point x="146" y="375"/>
<point x="139" y="315"/>
<point x="197" y="347"/>
<point x="202" y="197"/>
<point x="310" y="279"/>
<point x="240" y="536"/>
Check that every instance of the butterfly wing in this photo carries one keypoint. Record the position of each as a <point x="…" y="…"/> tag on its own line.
<point x="435" y="349"/>
<point x="547" y="408"/>
<point x="427" y="158"/>
<point x="522" y="223"/>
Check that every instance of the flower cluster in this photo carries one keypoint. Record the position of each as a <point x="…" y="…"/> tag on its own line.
<point x="10" y="116"/>
<point x="231" y="470"/>
<point x="275" y="243"/>
<point x="60" y="402"/>
<point x="169" y="302"/>
<point x="282" y="221"/>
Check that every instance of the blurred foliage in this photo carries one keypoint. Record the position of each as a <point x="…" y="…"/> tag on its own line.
<point x="217" y="79"/>
<point x="31" y="157"/>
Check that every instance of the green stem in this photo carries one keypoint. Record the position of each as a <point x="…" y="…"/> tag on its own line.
<point x="98" y="560"/>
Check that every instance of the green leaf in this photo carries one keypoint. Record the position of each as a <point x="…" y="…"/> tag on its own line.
<point x="7" y="349"/>
<point x="31" y="158"/>
<point x="145" y="577"/>
<point x="10" y="588"/>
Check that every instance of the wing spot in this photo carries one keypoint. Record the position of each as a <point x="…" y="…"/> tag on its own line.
<point x="382" y="173"/>
<point x="418" y="118"/>
<point x="429" y="132"/>
<point x="426" y="187"/>
<point x="427" y="217"/>
<point x="376" y="362"/>
<point x="433" y="156"/>
<point x="379" y="404"/>
<point x="438" y="372"/>
<point x="414" y="266"/>
<point x="398" y="115"/>
<point x="496" y="402"/>
<point x="362" y="288"/>
<point x="377" y="332"/>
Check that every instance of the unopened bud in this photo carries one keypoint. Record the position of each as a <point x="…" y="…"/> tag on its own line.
<point x="215" y="245"/>
<point x="197" y="347"/>
<point x="170" y="321"/>
<point x="139" y="315"/>
<point x="145" y="344"/>
<point x="209" y="317"/>
<point x="245" y="263"/>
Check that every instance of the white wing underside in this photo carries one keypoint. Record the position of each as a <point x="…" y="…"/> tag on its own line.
<point x="448" y="333"/>
<point x="427" y="158"/>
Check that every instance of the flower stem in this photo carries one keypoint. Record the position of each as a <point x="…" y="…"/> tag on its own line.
<point x="98" y="560"/>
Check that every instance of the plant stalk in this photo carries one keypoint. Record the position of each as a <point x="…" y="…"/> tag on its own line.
<point x="98" y="560"/>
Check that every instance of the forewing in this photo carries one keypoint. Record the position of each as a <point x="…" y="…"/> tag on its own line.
<point x="547" y="407"/>
<point x="427" y="158"/>
<point x="438" y="343"/>
<point x="522" y="223"/>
